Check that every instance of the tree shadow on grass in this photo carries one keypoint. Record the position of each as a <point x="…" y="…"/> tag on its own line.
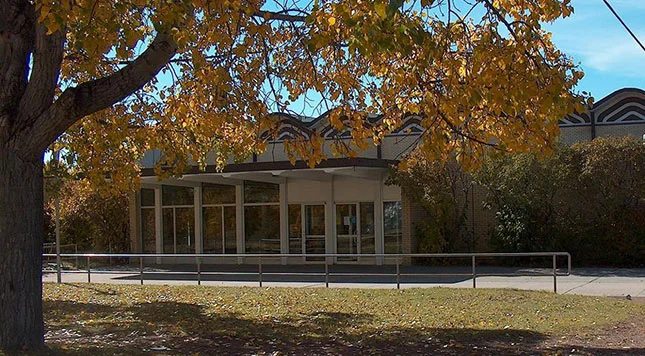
<point x="182" y="328"/>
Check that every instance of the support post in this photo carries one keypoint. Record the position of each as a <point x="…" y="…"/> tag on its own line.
<point x="474" y="272"/>
<point x="58" y="262"/>
<point x="239" y="221"/>
<point x="326" y="274"/>
<point x="197" y="202"/>
<point x="199" y="272"/>
<point x="555" y="274"/>
<point x="284" y="226"/>
<point x="260" y="270"/>
<point x="158" y="222"/>
<point x="141" y="270"/>
<point x="89" y="278"/>
<point x="398" y="274"/>
<point x="378" y="222"/>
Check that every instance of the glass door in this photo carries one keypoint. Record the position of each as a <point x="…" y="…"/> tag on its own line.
<point x="355" y="229"/>
<point x="347" y="231"/>
<point x="314" y="234"/>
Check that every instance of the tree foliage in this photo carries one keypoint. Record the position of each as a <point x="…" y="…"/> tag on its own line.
<point x="480" y="73"/>
<point x="95" y="222"/>
<point x="588" y="199"/>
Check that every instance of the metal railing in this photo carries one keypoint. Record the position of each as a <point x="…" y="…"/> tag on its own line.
<point x="327" y="259"/>
<point x="51" y="247"/>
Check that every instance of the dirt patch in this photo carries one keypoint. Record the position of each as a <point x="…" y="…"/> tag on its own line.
<point x="625" y="338"/>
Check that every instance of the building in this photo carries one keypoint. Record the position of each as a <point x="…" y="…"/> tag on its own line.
<point x="267" y="205"/>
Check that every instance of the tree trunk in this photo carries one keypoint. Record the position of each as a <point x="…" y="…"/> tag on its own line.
<point x="21" y="236"/>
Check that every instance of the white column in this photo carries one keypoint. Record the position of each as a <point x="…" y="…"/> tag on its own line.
<point x="158" y="222"/>
<point x="378" y="220"/>
<point x="284" y="215"/>
<point x="239" y="219"/>
<point x="198" y="220"/>
<point x="330" y="238"/>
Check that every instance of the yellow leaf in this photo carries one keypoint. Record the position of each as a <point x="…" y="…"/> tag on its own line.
<point x="381" y="10"/>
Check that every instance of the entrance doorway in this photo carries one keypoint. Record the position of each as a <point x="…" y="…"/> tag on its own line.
<point x="354" y="229"/>
<point x="307" y="230"/>
<point x="314" y="231"/>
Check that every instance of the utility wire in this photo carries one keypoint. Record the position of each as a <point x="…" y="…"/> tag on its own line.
<point x="624" y="25"/>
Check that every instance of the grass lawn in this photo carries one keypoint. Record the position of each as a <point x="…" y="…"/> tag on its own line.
<point x="126" y="319"/>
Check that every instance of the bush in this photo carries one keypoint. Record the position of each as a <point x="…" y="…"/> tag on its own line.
<point x="588" y="199"/>
<point x="442" y="190"/>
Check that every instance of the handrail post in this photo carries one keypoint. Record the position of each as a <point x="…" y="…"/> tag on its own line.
<point x="199" y="272"/>
<point x="326" y="273"/>
<point x="89" y="279"/>
<point x="76" y="258"/>
<point x="58" y="266"/>
<point x="398" y="274"/>
<point x="474" y="272"/>
<point x="141" y="269"/>
<point x="260" y="270"/>
<point x="555" y="274"/>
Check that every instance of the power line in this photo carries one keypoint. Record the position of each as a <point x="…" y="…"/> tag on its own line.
<point x="624" y="25"/>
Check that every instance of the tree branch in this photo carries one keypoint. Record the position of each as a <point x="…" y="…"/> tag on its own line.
<point x="280" y="15"/>
<point x="47" y="59"/>
<point x="16" y="43"/>
<point x="90" y="97"/>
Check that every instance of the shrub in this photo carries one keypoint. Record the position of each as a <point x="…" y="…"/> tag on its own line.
<point x="588" y="199"/>
<point x="442" y="190"/>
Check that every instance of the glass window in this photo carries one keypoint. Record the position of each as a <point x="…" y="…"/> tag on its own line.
<point x="218" y="194"/>
<point x="148" y="243"/>
<point x="392" y="232"/>
<point x="367" y="227"/>
<point x="259" y="192"/>
<point x="185" y="230"/>
<point x="230" y="233"/>
<point x="262" y="228"/>
<point x="213" y="229"/>
<point x="168" y="230"/>
<point x="295" y="228"/>
<point x="174" y="195"/>
<point x="147" y="197"/>
<point x="178" y="230"/>
<point x="219" y="230"/>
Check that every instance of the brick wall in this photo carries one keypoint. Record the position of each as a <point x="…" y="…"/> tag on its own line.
<point x="133" y="212"/>
<point x="412" y="215"/>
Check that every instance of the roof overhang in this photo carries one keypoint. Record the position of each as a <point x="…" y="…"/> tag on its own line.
<point x="278" y="172"/>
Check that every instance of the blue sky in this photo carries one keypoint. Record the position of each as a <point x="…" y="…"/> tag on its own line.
<point x="609" y="56"/>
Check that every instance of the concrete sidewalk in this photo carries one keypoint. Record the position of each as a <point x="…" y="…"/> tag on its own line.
<point x="585" y="281"/>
